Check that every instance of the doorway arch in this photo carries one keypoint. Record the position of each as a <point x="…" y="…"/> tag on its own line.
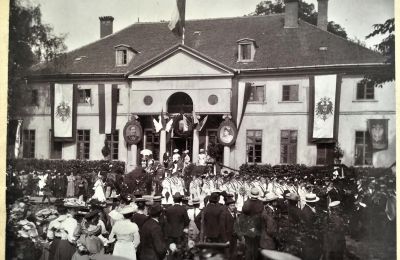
<point x="179" y="102"/>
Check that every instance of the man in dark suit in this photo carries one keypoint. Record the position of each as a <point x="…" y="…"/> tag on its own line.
<point x="269" y="227"/>
<point x="252" y="209"/>
<point x="177" y="220"/>
<point x="153" y="246"/>
<point x="213" y="220"/>
<point x="312" y="240"/>
<point x="230" y="218"/>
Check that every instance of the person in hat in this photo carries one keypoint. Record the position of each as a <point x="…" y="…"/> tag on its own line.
<point x="308" y="213"/>
<point x="230" y="219"/>
<point x="293" y="211"/>
<point x="127" y="234"/>
<point x="193" y="211"/>
<point x="312" y="243"/>
<point x="153" y="246"/>
<point x="202" y="159"/>
<point x="212" y="220"/>
<point x="177" y="220"/>
<point x="252" y="209"/>
<point x="99" y="189"/>
<point x="334" y="242"/>
<point x="176" y="156"/>
<point x="61" y="233"/>
<point x="269" y="227"/>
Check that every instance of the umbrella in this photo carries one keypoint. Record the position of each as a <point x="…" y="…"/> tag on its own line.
<point x="276" y="255"/>
<point x="145" y="152"/>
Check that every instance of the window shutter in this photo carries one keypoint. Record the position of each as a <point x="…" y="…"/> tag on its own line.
<point x="294" y="93"/>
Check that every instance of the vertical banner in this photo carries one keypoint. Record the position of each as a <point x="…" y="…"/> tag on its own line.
<point x="240" y="96"/>
<point x="108" y="96"/>
<point x="378" y="131"/>
<point x="17" y="139"/>
<point x="324" y="107"/>
<point x="63" y="111"/>
<point x="177" y="23"/>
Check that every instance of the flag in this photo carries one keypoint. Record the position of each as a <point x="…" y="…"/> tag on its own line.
<point x="185" y="123"/>
<point x="63" y="111"/>
<point x="324" y="107"/>
<point x="195" y="120"/>
<point x="157" y="125"/>
<point x="202" y="123"/>
<point x="378" y="132"/>
<point x="177" y="22"/>
<point x="240" y="97"/>
<point x="17" y="139"/>
<point x="169" y="125"/>
<point x="108" y="96"/>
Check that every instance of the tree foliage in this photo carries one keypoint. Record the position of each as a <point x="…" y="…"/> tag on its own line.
<point x="30" y="42"/>
<point x="387" y="48"/>
<point x="306" y="12"/>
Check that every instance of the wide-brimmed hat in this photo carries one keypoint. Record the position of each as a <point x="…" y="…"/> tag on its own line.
<point x="214" y="197"/>
<point x="334" y="203"/>
<point x="195" y="201"/>
<point x="155" y="210"/>
<point x="311" y="197"/>
<point x="176" y="151"/>
<point x="157" y="198"/>
<point x="229" y="201"/>
<point x="202" y="150"/>
<point x="186" y="151"/>
<point x="127" y="210"/>
<point x="292" y="196"/>
<point x="91" y="215"/>
<point x="254" y="193"/>
<point x="270" y="197"/>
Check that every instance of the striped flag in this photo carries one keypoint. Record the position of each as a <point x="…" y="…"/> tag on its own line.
<point x="195" y="120"/>
<point x="202" y="123"/>
<point x="177" y="23"/>
<point x="240" y="96"/>
<point x="17" y="139"/>
<point x="108" y="96"/>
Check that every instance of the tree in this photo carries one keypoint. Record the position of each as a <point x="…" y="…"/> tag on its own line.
<point x="30" y="42"/>
<point x="386" y="48"/>
<point x="306" y="12"/>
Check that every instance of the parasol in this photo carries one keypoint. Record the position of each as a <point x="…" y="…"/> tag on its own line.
<point x="146" y="152"/>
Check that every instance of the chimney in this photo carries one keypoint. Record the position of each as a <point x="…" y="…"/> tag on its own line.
<point x="291" y="13"/>
<point x="322" y="21"/>
<point x="106" y="25"/>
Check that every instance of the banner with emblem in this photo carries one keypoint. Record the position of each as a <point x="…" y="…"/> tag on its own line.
<point x="63" y="111"/>
<point x="378" y="131"/>
<point x="324" y="107"/>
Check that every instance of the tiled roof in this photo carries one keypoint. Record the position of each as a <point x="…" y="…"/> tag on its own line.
<point x="217" y="39"/>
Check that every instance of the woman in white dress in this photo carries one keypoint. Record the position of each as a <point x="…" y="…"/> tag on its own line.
<point x="127" y="234"/>
<point x="71" y="186"/>
<point x="99" y="189"/>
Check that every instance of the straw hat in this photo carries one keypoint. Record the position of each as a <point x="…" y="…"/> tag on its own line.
<point x="311" y="197"/>
<point x="334" y="203"/>
<point x="254" y="193"/>
<point x="270" y="197"/>
<point x="176" y="151"/>
<point x="202" y="150"/>
<point x="127" y="209"/>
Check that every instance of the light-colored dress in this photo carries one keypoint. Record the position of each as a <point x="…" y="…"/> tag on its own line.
<point x="128" y="239"/>
<point x="42" y="183"/>
<point x="99" y="191"/>
<point x="71" y="186"/>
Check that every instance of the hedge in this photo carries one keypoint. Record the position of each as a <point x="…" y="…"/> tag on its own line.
<point x="66" y="166"/>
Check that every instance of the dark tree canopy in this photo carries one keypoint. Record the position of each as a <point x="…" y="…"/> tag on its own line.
<point x="30" y="42"/>
<point x="307" y="13"/>
<point x="387" y="48"/>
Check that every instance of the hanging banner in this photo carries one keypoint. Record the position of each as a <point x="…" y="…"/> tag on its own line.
<point x="241" y="92"/>
<point x="63" y="110"/>
<point x="324" y="107"/>
<point x="378" y="131"/>
<point x="108" y="96"/>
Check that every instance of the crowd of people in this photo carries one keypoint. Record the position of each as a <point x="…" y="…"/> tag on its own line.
<point x="172" y="210"/>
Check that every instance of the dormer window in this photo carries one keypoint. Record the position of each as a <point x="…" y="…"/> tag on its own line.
<point x="246" y="49"/>
<point x="124" y="54"/>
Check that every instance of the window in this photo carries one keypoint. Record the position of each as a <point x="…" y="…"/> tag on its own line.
<point x="289" y="146"/>
<point x="254" y="146"/>
<point x="34" y="101"/>
<point x="365" y="90"/>
<point x="113" y="140"/>
<point x="55" y="148"/>
<point x="29" y="144"/>
<point x="83" y="145"/>
<point x="325" y="154"/>
<point x="363" y="149"/>
<point x="153" y="142"/>
<point x="122" y="57"/>
<point x="245" y="51"/>
<point x="290" y="93"/>
<point x="257" y="93"/>
<point x="85" y="96"/>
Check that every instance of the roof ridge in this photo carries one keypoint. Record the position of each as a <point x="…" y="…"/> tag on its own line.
<point x="341" y="38"/>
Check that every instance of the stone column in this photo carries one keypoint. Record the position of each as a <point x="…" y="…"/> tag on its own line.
<point x="144" y="140"/>
<point x="163" y="143"/>
<point x="196" y="143"/>
<point x="227" y="153"/>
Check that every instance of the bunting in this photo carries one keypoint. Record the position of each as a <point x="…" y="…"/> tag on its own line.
<point x="63" y="111"/>
<point x="324" y="107"/>
<point x="108" y="96"/>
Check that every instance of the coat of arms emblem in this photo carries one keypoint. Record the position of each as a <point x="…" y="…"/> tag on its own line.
<point x="324" y="108"/>
<point x="63" y="111"/>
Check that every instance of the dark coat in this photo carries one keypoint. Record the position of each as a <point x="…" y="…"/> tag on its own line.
<point x="153" y="246"/>
<point x="269" y="230"/>
<point x="177" y="219"/>
<point x="252" y="207"/>
<point x="308" y="216"/>
<point x="334" y="239"/>
<point x="214" y="221"/>
<point x="229" y="224"/>
<point x="139" y="219"/>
